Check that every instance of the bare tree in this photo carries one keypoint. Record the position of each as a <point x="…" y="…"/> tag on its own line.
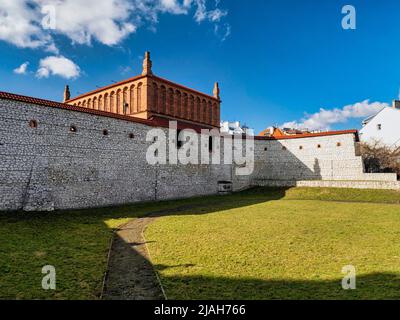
<point x="380" y="158"/>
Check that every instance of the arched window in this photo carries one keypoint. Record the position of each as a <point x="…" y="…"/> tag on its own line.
<point x="204" y="111"/>
<point x="84" y="103"/>
<point x="177" y="109"/>
<point x="163" y="100"/>
<point x="125" y="101"/>
<point x="215" y="118"/>
<point x="89" y="104"/>
<point x="210" y="113"/>
<point x="185" y="112"/>
<point x="118" y="107"/>
<point x="95" y="106"/>
<point x="139" y="97"/>
<point x="132" y="99"/>
<point x="112" y="102"/>
<point x="100" y="104"/>
<point x="171" y="106"/>
<point x="155" y="98"/>
<point x="106" y="103"/>
<point x="197" y="111"/>
<point x="79" y="103"/>
<point x="191" y="108"/>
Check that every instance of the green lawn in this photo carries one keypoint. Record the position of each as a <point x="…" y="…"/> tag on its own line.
<point x="280" y="249"/>
<point x="76" y="243"/>
<point x="262" y="243"/>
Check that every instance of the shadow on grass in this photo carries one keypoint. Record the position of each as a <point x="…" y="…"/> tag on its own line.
<point x="372" y="287"/>
<point x="76" y="242"/>
<point x="133" y="277"/>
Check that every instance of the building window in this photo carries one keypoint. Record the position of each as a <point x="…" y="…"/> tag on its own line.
<point x="33" y="124"/>
<point x="179" y="143"/>
<point x="105" y="132"/>
<point x="379" y="127"/>
<point x="210" y="144"/>
<point x="73" y="129"/>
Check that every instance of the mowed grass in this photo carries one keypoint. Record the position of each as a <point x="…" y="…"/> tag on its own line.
<point x="262" y="243"/>
<point x="273" y="248"/>
<point x="76" y="243"/>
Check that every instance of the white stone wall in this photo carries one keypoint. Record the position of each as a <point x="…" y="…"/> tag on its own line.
<point x="50" y="167"/>
<point x="330" y="157"/>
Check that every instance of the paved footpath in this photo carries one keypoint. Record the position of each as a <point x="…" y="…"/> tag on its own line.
<point x="130" y="274"/>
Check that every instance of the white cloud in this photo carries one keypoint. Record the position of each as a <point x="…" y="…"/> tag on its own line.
<point x="223" y="32"/>
<point x="58" y="66"/>
<point x="106" y="21"/>
<point x="22" y="69"/>
<point x="211" y="15"/>
<point x="324" y="119"/>
<point x="19" y="25"/>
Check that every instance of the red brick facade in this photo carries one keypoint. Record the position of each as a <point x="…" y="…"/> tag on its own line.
<point x="149" y="96"/>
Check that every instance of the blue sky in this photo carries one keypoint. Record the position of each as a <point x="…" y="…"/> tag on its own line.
<point x="276" y="60"/>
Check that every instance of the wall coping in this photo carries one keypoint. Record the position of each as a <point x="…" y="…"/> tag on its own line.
<point x="312" y="135"/>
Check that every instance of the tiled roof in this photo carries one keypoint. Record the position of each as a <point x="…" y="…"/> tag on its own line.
<point x="184" y="88"/>
<point x="173" y="84"/>
<point x="105" y="88"/>
<point x="154" y="122"/>
<point x="310" y="135"/>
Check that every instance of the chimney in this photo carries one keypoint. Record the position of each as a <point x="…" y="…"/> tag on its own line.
<point x="147" y="65"/>
<point x="216" y="91"/>
<point x="67" y="94"/>
<point x="396" y="104"/>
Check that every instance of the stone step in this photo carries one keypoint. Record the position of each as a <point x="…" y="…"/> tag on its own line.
<point x="352" y="184"/>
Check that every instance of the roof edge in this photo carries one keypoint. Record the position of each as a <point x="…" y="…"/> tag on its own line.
<point x="64" y="106"/>
<point x="311" y="135"/>
<point x="106" y="88"/>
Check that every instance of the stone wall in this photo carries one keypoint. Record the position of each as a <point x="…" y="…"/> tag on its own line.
<point x="54" y="156"/>
<point x="331" y="157"/>
<point x="51" y="167"/>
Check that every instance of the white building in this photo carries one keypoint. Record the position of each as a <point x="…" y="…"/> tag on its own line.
<point x="235" y="128"/>
<point x="384" y="127"/>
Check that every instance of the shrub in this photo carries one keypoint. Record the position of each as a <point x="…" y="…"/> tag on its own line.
<point x="380" y="158"/>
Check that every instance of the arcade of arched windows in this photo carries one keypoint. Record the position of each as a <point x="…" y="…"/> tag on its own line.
<point x="127" y="100"/>
<point x="163" y="100"/>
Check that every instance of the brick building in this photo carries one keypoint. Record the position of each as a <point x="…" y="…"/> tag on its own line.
<point x="153" y="98"/>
